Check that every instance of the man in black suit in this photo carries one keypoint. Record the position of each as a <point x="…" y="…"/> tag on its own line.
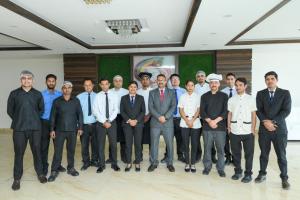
<point x="273" y="106"/>
<point x="132" y="109"/>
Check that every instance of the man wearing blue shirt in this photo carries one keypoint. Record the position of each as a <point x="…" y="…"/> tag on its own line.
<point x="49" y="95"/>
<point x="89" y="126"/>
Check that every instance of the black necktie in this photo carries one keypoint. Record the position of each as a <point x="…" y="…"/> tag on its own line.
<point x="175" y="111"/>
<point x="132" y="101"/>
<point x="230" y="92"/>
<point x="89" y="105"/>
<point x="106" y="106"/>
<point x="271" y="96"/>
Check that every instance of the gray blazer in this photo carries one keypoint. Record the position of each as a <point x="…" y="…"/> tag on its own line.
<point x="165" y="108"/>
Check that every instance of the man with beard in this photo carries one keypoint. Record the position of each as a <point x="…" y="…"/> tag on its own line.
<point x="49" y="95"/>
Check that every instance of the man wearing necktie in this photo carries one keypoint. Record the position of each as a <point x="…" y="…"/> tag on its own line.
<point x="273" y="106"/>
<point x="89" y="127"/>
<point x="162" y="103"/>
<point x="178" y="91"/>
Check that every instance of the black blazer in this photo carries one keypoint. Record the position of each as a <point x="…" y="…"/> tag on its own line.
<point x="136" y="112"/>
<point x="277" y="110"/>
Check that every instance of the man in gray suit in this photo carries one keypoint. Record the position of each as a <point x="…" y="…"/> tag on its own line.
<point x="162" y="103"/>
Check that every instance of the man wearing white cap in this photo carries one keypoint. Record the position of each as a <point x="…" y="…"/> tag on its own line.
<point x="213" y="111"/>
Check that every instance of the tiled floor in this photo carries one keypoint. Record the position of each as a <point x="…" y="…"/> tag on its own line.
<point x="159" y="184"/>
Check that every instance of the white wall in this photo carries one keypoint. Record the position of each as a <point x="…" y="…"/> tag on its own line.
<point x="285" y="60"/>
<point x="11" y="67"/>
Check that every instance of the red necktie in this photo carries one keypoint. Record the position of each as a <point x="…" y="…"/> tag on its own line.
<point x="162" y="95"/>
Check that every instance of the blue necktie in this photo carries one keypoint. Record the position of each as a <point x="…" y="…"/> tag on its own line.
<point x="176" y="109"/>
<point x="89" y="105"/>
<point x="271" y="96"/>
<point x="230" y="92"/>
<point x="132" y="101"/>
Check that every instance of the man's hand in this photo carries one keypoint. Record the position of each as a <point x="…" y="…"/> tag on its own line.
<point x="107" y="124"/>
<point x="79" y="132"/>
<point x="268" y="124"/>
<point x="162" y="119"/>
<point x="146" y="118"/>
<point x="132" y="122"/>
<point x="189" y="123"/>
<point x="52" y="134"/>
<point x="213" y="124"/>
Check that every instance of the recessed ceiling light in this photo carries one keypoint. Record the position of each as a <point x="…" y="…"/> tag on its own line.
<point x="227" y="16"/>
<point x="167" y="37"/>
<point x="13" y="26"/>
<point x="204" y="44"/>
<point x="213" y="33"/>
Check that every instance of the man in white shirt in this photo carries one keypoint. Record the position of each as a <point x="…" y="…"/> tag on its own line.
<point x="230" y="91"/>
<point x="189" y="108"/>
<point x="119" y="91"/>
<point x="144" y="91"/>
<point x="105" y="109"/>
<point x="241" y="129"/>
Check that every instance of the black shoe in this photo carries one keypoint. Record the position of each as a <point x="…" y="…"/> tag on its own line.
<point x="137" y="167"/>
<point x="221" y="173"/>
<point x="187" y="168"/>
<point x="16" y="185"/>
<point x="181" y="159"/>
<point x="247" y="179"/>
<point x="108" y="161"/>
<point x="260" y="178"/>
<point x="52" y="176"/>
<point x="227" y="161"/>
<point x="152" y="167"/>
<point x="128" y="167"/>
<point x="205" y="171"/>
<point x="61" y="169"/>
<point x="236" y="176"/>
<point x="171" y="168"/>
<point x="285" y="185"/>
<point x="116" y="168"/>
<point x="73" y="172"/>
<point x="84" y="167"/>
<point x="100" y="169"/>
<point x="214" y="159"/>
<point x="42" y="179"/>
<point x="164" y="160"/>
<point x="123" y="160"/>
<point x="94" y="163"/>
<point x="193" y="169"/>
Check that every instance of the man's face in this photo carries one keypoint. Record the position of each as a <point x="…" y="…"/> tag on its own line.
<point x="271" y="81"/>
<point x="104" y="85"/>
<point x="161" y="81"/>
<point x="26" y="81"/>
<point x="190" y="86"/>
<point x="230" y="80"/>
<point x="51" y="83"/>
<point x="214" y="85"/>
<point x="88" y="86"/>
<point x="145" y="81"/>
<point x="67" y="90"/>
<point x="201" y="78"/>
<point x="175" y="81"/>
<point x="118" y="82"/>
<point x="132" y="89"/>
<point x="240" y="87"/>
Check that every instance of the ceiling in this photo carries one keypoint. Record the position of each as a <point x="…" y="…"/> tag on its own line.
<point x="71" y="26"/>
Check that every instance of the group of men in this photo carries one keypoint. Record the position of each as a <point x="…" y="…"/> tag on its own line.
<point x="225" y="118"/>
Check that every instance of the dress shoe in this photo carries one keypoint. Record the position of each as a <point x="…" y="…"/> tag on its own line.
<point x="94" y="163"/>
<point x="128" y="167"/>
<point x="42" y="179"/>
<point x="187" y="168"/>
<point x="236" y="176"/>
<point x="260" y="178"/>
<point x="247" y="179"/>
<point x="164" y="160"/>
<point x="171" y="168"/>
<point x="108" y="161"/>
<point x="84" y="167"/>
<point x="193" y="169"/>
<point x="214" y="159"/>
<point x="205" y="171"/>
<point x="61" y="169"/>
<point x="137" y="167"/>
<point x="100" y="169"/>
<point x="52" y="176"/>
<point x="152" y="167"/>
<point x="73" y="172"/>
<point x="116" y="168"/>
<point x="16" y="185"/>
<point x="221" y="173"/>
<point x="285" y="184"/>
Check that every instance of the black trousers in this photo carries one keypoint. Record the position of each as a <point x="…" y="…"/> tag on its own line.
<point x="133" y="135"/>
<point x="112" y="138"/>
<point x="178" y="137"/>
<point x="20" y="139"/>
<point x="236" y="142"/>
<point x="45" y="141"/>
<point x="120" y="137"/>
<point x="279" y="141"/>
<point x="61" y="137"/>
<point x="227" y="148"/>
<point x="89" y="136"/>
<point x="187" y="135"/>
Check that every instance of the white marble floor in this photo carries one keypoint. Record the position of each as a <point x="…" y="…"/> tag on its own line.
<point x="159" y="184"/>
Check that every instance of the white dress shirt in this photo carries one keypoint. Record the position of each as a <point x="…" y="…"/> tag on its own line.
<point x="145" y="94"/>
<point x="190" y="104"/>
<point x="202" y="89"/>
<point x="241" y="107"/>
<point x="120" y="92"/>
<point x="99" y="106"/>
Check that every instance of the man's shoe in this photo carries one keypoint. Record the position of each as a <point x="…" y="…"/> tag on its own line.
<point x="52" y="176"/>
<point x="116" y="168"/>
<point x="152" y="167"/>
<point x="247" y="179"/>
<point x="164" y="160"/>
<point x="221" y="173"/>
<point x="94" y="163"/>
<point x="205" y="171"/>
<point x="84" y="167"/>
<point x="108" y="161"/>
<point x="100" y="169"/>
<point x="42" y="179"/>
<point x="16" y="185"/>
<point x="171" y="168"/>
<point x="236" y="176"/>
<point x="73" y="172"/>
<point x="260" y="178"/>
<point x="61" y="169"/>
<point x="285" y="185"/>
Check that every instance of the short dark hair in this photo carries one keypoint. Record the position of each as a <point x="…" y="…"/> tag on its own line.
<point x="132" y="82"/>
<point x="51" y="76"/>
<point x="242" y="80"/>
<point x="188" y="81"/>
<point x="271" y="73"/>
<point x="104" y="79"/>
<point x="230" y="74"/>
<point x="161" y="75"/>
<point x="174" y="75"/>
<point x="87" y="79"/>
